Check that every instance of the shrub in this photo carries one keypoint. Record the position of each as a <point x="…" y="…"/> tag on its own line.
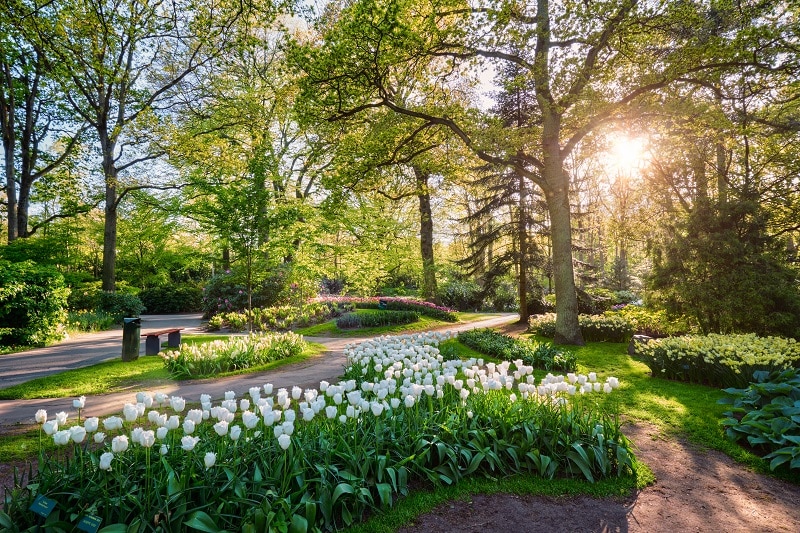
<point x="90" y="320"/>
<point x="33" y="299"/>
<point x="237" y="353"/>
<point x="461" y="295"/>
<point x="767" y="415"/>
<point x="655" y="323"/>
<point x="172" y="299"/>
<point x="535" y="354"/>
<point x="373" y="319"/>
<point x="87" y="296"/>
<point x="718" y="360"/>
<point x="120" y="305"/>
<point x="228" y="292"/>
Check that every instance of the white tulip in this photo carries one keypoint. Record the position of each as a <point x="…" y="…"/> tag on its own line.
<point x="173" y="422"/>
<point x="178" y="404"/>
<point x="61" y="417"/>
<point x="79" y="403"/>
<point x="50" y="427"/>
<point x="41" y="416"/>
<point x="230" y="395"/>
<point x="236" y="432"/>
<point x="62" y="437"/>
<point x="188" y="443"/>
<point x="268" y="388"/>
<point x="221" y="428"/>
<point x="161" y="433"/>
<point x="210" y="459"/>
<point x="91" y="424"/>
<point x="119" y="444"/>
<point x="164" y="450"/>
<point x="188" y="426"/>
<point x="284" y="441"/>
<point x="130" y="412"/>
<point x="99" y="437"/>
<point x="136" y="435"/>
<point x="105" y="460"/>
<point x="147" y="438"/>
<point x="77" y="434"/>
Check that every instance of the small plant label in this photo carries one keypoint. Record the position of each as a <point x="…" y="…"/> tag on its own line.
<point x="43" y="506"/>
<point x="89" y="523"/>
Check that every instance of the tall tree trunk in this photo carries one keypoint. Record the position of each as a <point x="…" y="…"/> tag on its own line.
<point x="522" y="230"/>
<point x="567" y="329"/>
<point x="429" y="289"/>
<point x="7" y="118"/>
<point x="11" y="189"/>
<point x="110" y="228"/>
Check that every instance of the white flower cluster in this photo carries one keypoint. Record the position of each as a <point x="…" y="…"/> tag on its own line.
<point x="406" y="368"/>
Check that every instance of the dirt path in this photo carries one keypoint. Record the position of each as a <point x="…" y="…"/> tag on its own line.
<point x="696" y="491"/>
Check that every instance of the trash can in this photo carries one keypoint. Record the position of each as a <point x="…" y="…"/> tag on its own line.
<point x="131" y="330"/>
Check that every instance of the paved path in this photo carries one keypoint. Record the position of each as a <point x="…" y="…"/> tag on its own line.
<point x="327" y="366"/>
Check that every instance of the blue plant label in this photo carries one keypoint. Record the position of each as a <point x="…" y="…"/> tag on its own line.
<point x="90" y="523"/>
<point x="43" y="506"/>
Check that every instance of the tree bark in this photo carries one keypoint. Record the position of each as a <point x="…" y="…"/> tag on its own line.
<point x="429" y="288"/>
<point x="7" y="118"/>
<point x="110" y="226"/>
<point x="567" y="329"/>
<point x="522" y="229"/>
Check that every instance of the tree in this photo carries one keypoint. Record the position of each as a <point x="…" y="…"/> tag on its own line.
<point x="120" y="61"/>
<point x="29" y="114"/>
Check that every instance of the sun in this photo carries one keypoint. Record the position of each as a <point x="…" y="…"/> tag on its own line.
<point x="626" y="154"/>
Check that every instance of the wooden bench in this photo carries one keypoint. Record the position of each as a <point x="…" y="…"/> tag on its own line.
<point x="152" y="344"/>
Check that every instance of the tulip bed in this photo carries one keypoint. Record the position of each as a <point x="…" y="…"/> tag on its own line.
<point x="321" y="458"/>
<point x="237" y="353"/>
<point x="538" y="355"/>
<point x="718" y="360"/>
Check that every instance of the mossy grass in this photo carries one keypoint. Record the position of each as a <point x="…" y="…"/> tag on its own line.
<point x="115" y="376"/>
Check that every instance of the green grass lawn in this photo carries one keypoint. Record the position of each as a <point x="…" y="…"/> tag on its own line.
<point x="114" y="376"/>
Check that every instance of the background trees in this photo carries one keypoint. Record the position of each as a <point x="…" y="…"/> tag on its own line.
<point x="436" y="148"/>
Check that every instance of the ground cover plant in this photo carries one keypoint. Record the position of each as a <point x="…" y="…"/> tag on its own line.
<point x="718" y="360"/>
<point x="537" y="354"/>
<point x="767" y="415"/>
<point x="321" y="458"/>
<point x="236" y="353"/>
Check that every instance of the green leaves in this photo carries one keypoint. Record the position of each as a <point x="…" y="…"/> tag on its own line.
<point x="767" y="415"/>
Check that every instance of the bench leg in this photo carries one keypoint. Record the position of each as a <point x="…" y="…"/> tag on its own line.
<point x="174" y="339"/>
<point x="152" y="345"/>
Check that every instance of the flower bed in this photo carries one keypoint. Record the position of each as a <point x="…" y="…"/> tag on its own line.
<point x="397" y="304"/>
<point x="718" y="360"/>
<point x="370" y="319"/>
<point x="608" y="327"/>
<point x="237" y="353"/>
<point x="538" y="355"/>
<point x="322" y="458"/>
<point x="277" y="318"/>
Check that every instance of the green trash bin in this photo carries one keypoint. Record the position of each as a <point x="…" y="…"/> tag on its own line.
<point x="131" y="332"/>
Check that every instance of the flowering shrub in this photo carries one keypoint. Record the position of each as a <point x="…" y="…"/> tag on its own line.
<point x="322" y="458"/>
<point x="655" y="323"/>
<point x="397" y="304"/>
<point x="371" y="319"/>
<point x="718" y="360"/>
<point x="766" y="414"/>
<point x="237" y="353"/>
<point x="538" y="355"/>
